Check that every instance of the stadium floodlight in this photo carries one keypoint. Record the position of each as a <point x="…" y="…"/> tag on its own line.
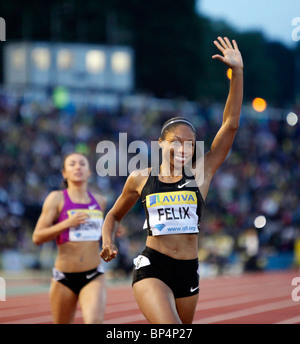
<point x="18" y="58"/>
<point x="78" y="66"/>
<point x="95" y="61"/>
<point x="41" y="58"/>
<point x="292" y="119"/>
<point x="65" y="59"/>
<point x="229" y="73"/>
<point x="120" y="62"/>
<point x="259" y="104"/>
<point x="260" y="221"/>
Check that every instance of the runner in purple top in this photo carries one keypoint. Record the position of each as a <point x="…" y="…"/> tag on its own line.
<point x="73" y="217"/>
<point x="89" y="231"/>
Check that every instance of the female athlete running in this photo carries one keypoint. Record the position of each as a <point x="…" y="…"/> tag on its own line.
<point x="73" y="217"/>
<point x="165" y="274"/>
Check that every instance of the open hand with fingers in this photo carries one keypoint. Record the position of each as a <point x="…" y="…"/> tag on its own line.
<point x="231" y="54"/>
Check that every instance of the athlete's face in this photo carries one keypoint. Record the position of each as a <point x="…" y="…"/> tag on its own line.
<point x="76" y="168"/>
<point x="179" y="146"/>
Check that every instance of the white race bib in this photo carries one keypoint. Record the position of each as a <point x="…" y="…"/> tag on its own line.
<point x="172" y="212"/>
<point x="89" y="231"/>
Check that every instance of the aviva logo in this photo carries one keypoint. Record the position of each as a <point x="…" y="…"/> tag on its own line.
<point x="170" y="198"/>
<point x="92" y="213"/>
<point x="153" y="199"/>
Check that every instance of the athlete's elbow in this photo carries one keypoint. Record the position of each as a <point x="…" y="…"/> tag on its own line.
<point x="232" y="125"/>
<point x="114" y="217"/>
<point x="37" y="240"/>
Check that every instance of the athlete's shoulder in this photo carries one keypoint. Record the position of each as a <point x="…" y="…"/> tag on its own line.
<point x="55" y="199"/>
<point x="136" y="180"/>
<point x="139" y="176"/>
<point x="56" y="195"/>
<point x="140" y="173"/>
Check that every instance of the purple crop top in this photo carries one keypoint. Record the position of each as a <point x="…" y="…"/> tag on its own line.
<point x="89" y="231"/>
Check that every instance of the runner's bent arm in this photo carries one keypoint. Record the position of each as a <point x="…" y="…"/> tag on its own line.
<point x="123" y="204"/>
<point x="45" y="230"/>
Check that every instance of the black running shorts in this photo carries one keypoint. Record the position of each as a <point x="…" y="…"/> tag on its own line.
<point x="181" y="276"/>
<point x="76" y="280"/>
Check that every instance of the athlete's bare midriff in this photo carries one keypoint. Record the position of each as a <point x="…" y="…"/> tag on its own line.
<point x="78" y="256"/>
<point x="178" y="246"/>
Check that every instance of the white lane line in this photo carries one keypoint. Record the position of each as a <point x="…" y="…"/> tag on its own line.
<point x="132" y="305"/>
<point x="231" y="301"/>
<point x="237" y="289"/>
<point x="246" y="312"/>
<point x="41" y="319"/>
<point x="295" y="320"/>
<point x="35" y="320"/>
<point x="24" y="311"/>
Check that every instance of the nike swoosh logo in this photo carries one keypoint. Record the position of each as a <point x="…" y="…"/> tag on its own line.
<point x="181" y="186"/>
<point x="91" y="275"/>
<point x="193" y="289"/>
<point x="92" y="207"/>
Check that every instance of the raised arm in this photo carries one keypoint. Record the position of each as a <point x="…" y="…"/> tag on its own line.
<point x="224" y="138"/>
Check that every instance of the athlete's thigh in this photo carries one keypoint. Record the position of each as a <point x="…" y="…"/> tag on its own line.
<point x="186" y="307"/>
<point x="156" y="301"/>
<point x="63" y="303"/>
<point x="92" y="299"/>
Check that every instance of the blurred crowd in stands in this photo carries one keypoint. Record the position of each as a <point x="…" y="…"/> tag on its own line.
<point x="261" y="175"/>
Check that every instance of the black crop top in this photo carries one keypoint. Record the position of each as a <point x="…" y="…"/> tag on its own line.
<point x="171" y="208"/>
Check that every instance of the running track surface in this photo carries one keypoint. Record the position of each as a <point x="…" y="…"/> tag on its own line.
<point x="253" y="298"/>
